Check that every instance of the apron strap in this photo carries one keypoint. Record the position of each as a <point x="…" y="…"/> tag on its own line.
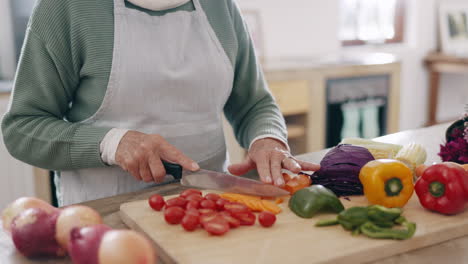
<point x="197" y="5"/>
<point x="119" y="6"/>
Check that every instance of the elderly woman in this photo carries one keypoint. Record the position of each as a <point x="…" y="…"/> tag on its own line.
<point x="106" y="89"/>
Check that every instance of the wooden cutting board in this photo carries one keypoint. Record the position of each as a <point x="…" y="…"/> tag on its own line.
<point x="290" y="240"/>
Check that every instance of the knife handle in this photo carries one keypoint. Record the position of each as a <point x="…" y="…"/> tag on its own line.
<point x="173" y="169"/>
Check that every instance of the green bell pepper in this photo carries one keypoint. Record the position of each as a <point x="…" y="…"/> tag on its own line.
<point x="383" y="216"/>
<point x="309" y="201"/>
<point x="372" y="230"/>
<point x="353" y="217"/>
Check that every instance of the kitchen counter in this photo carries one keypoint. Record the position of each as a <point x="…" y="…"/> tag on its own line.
<point x="453" y="251"/>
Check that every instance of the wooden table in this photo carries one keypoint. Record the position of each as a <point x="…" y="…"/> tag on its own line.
<point x="453" y="251"/>
<point x="438" y="63"/>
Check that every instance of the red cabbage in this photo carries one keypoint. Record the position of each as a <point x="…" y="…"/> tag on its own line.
<point x="339" y="169"/>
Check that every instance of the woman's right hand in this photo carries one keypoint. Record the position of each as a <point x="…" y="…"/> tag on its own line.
<point x="140" y="154"/>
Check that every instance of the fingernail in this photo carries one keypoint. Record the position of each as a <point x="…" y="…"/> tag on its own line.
<point x="268" y="179"/>
<point x="195" y="166"/>
<point x="279" y="181"/>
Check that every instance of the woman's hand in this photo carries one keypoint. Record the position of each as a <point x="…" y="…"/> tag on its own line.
<point x="140" y="154"/>
<point x="269" y="156"/>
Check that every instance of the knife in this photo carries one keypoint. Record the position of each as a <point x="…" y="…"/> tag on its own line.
<point x="213" y="180"/>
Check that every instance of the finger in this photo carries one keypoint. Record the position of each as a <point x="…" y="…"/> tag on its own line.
<point x="308" y="166"/>
<point x="133" y="169"/>
<point x="275" y="169"/>
<point x="157" y="169"/>
<point x="242" y="168"/>
<point x="172" y="154"/>
<point x="291" y="165"/>
<point x="263" y="168"/>
<point x="145" y="172"/>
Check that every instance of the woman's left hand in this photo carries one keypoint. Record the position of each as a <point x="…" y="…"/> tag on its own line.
<point x="269" y="156"/>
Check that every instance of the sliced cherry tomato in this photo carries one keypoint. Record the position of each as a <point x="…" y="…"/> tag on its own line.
<point x="174" y="215"/>
<point x="156" y="202"/>
<point x="204" y="211"/>
<point x="236" y="208"/>
<point x="304" y="180"/>
<point x="216" y="227"/>
<point x="266" y="219"/>
<point x="233" y="222"/>
<point x="188" y="192"/>
<point x="194" y="197"/>
<point x="190" y="222"/>
<point x="245" y="218"/>
<point x="220" y="204"/>
<point x="192" y="211"/>
<point x="212" y="196"/>
<point x="297" y="183"/>
<point x="208" y="217"/>
<point x="208" y="204"/>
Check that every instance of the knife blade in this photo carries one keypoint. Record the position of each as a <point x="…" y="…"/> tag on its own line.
<point x="213" y="180"/>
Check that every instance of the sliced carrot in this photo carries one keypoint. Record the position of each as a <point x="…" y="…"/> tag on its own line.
<point x="255" y="205"/>
<point x="271" y="207"/>
<point x="279" y="200"/>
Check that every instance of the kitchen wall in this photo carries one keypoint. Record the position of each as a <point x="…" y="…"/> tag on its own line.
<point x="310" y="28"/>
<point x="7" y="57"/>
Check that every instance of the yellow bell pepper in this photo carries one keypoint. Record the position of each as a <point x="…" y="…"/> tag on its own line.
<point x="387" y="182"/>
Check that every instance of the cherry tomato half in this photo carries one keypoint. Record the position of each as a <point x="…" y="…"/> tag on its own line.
<point x="192" y="211"/>
<point x="212" y="196"/>
<point x="194" y="197"/>
<point x="245" y="218"/>
<point x="208" y="204"/>
<point x="236" y="208"/>
<point x="205" y="211"/>
<point x="220" y="204"/>
<point x="233" y="222"/>
<point x="208" y="217"/>
<point x="156" y="202"/>
<point x="216" y="227"/>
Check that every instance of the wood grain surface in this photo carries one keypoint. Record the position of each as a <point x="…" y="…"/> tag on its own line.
<point x="292" y="238"/>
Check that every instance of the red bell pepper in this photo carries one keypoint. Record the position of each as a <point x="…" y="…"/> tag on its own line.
<point x="443" y="188"/>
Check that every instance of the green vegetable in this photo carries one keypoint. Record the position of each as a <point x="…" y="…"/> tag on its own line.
<point x="353" y="217"/>
<point x="372" y="230"/>
<point x="383" y="216"/>
<point x="374" y="221"/>
<point x="309" y="201"/>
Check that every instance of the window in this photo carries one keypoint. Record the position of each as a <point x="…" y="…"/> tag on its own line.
<point x="371" y="21"/>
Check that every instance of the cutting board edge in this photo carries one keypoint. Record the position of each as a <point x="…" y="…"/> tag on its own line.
<point x="161" y="253"/>
<point x="405" y="246"/>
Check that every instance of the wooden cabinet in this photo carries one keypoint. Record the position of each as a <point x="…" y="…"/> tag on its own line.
<point x="300" y="87"/>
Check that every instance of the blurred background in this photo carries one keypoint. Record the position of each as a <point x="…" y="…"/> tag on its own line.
<point x="337" y="68"/>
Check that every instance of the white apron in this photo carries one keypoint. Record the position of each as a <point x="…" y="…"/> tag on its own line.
<point x="170" y="76"/>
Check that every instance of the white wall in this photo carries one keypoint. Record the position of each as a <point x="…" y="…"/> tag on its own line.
<point x="310" y="28"/>
<point x="7" y="51"/>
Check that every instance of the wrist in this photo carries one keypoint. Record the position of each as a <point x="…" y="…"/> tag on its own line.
<point x="274" y="138"/>
<point x="110" y="143"/>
